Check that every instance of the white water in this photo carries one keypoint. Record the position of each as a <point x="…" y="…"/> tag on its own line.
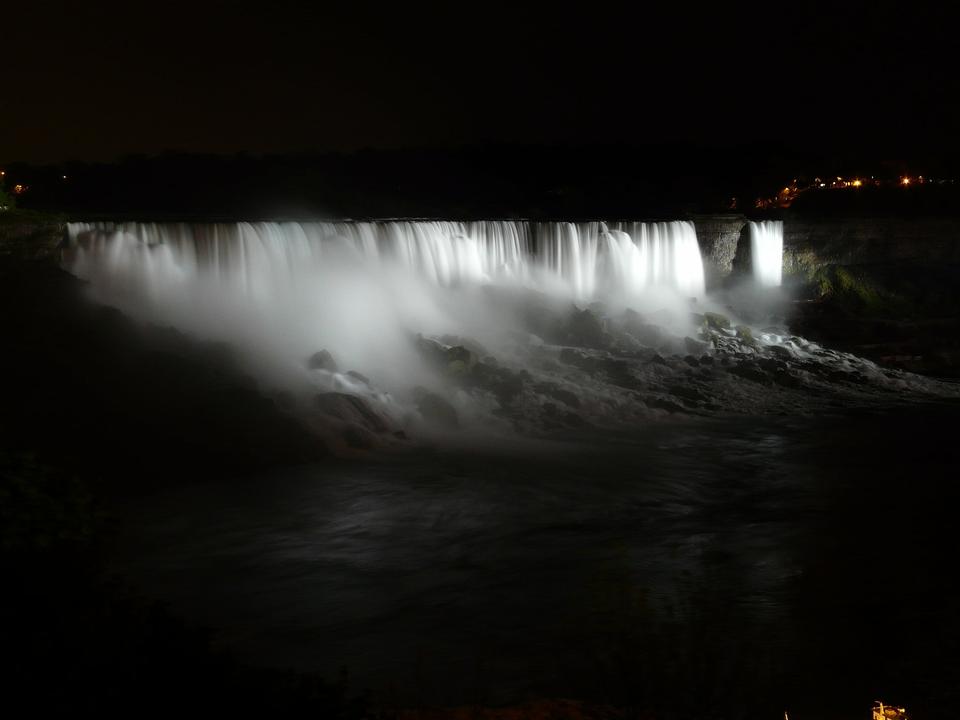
<point x="766" y="252"/>
<point x="282" y="291"/>
<point x="587" y="260"/>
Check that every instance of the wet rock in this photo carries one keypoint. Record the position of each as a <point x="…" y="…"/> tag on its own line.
<point x="771" y="364"/>
<point x="568" y="356"/>
<point x="672" y="345"/>
<point x="780" y="351"/>
<point x="745" y="335"/>
<point x="502" y="382"/>
<point x="435" y="409"/>
<point x="716" y="321"/>
<point x="691" y="361"/>
<point x="322" y="360"/>
<point x="665" y="404"/>
<point x="351" y="409"/>
<point x="787" y="379"/>
<point x="451" y="359"/>
<point x="573" y="419"/>
<point x="750" y="372"/>
<point x="585" y="328"/>
<point x="647" y="333"/>
<point x="558" y="393"/>
<point x="686" y="392"/>
<point x="695" y="347"/>
<point x="616" y="369"/>
<point x="359" y="377"/>
<point x="358" y="438"/>
<point x="625" y="342"/>
<point x="548" y="365"/>
<point x="455" y="341"/>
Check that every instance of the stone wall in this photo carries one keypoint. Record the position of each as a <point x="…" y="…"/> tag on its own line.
<point x="718" y="236"/>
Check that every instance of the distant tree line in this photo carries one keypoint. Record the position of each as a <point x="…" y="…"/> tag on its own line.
<point x="610" y="181"/>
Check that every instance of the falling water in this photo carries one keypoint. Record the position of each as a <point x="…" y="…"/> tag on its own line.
<point x="766" y="251"/>
<point x="590" y="260"/>
<point x="282" y="291"/>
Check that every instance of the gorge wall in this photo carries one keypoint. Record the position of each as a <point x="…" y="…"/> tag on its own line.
<point x="811" y="244"/>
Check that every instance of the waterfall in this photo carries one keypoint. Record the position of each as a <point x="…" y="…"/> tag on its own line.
<point x="766" y="252"/>
<point x="589" y="259"/>
<point x="281" y="291"/>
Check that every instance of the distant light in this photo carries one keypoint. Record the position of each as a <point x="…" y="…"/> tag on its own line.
<point x="64" y="177"/>
<point x="823" y="184"/>
<point x="18" y="188"/>
<point x="905" y="181"/>
<point x="857" y="183"/>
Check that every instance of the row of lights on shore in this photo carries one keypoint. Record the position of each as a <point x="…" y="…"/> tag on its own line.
<point x="860" y="182"/>
<point x="20" y="188"/>
<point x="789" y="193"/>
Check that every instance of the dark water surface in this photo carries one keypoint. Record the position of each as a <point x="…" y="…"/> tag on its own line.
<point x="748" y="566"/>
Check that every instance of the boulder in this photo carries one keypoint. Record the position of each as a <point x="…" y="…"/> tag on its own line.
<point x="436" y="410"/>
<point x="695" y="347"/>
<point x="585" y="328"/>
<point x="716" y="321"/>
<point x="322" y="360"/>
<point x="551" y="389"/>
<point x="745" y="335"/>
<point x="502" y="382"/>
<point x="353" y="410"/>
<point x="569" y="356"/>
<point x="471" y="345"/>
<point x="452" y="359"/>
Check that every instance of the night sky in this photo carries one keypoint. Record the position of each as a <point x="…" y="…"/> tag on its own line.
<point x="96" y="81"/>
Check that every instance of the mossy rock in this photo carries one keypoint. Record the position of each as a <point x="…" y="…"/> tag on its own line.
<point x="457" y="368"/>
<point x="716" y="321"/>
<point x="861" y="291"/>
<point x="745" y="334"/>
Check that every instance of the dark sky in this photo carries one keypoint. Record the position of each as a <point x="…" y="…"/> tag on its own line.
<point x="99" y="80"/>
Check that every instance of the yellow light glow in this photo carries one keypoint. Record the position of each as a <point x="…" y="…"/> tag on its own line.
<point x="857" y="183"/>
<point x="905" y="181"/>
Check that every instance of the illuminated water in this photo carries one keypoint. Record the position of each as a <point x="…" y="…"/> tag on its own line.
<point x="766" y="251"/>
<point x="361" y="290"/>
<point x="590" y="260"/>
